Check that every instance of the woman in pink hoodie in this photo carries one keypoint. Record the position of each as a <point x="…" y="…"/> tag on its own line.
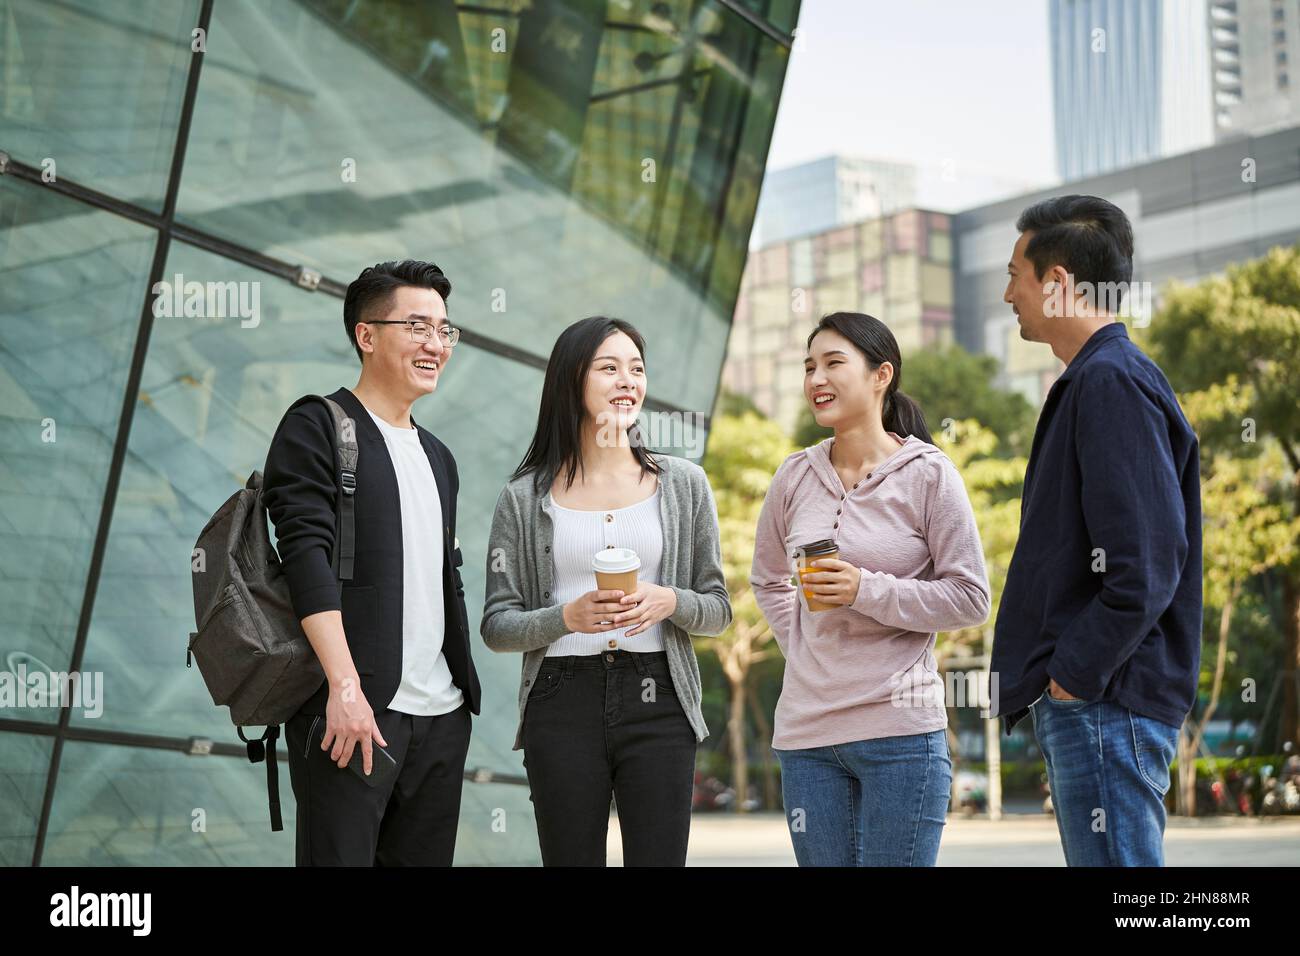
<point x="860" y="725"/>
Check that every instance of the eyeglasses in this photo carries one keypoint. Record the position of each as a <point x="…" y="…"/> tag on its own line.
<point x="421" y="332"/>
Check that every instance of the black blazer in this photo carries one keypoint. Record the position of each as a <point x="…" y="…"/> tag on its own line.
<point x="300" y="483"/>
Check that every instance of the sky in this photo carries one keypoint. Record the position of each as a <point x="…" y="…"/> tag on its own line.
<point x="960" y="88"/>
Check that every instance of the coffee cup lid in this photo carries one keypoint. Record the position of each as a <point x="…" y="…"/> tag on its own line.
<point x="615" y="561"/>
<point x="820" y="546"/>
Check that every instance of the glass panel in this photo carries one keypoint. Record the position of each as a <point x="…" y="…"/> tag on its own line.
<point x="137" y="806"/>
<point x="72" y="285"/>
<point x="497" y="825"/>
<point x="782" y="14"/>
<point x="96" y="86"/>
<point x="212" y="392"/>
<point x="613" y="168"/>
<point x="24" y="767"/>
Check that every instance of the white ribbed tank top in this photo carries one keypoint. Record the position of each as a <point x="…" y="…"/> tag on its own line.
<point x="578" y="536"/>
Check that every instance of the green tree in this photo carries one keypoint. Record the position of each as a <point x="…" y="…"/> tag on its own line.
<point x="1231" y="346"/>
<point x="993" y="485"/>
<point x="1245" y="535"/>
<point x="734" y="403"/>
<point x="951" y="384"/>
<point x="744" y="453"/>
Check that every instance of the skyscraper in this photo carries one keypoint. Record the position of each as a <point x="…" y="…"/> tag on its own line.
<point x="1255" y="45"/>
<point x="832" y="191"/>
<point x="1131" y="82"/>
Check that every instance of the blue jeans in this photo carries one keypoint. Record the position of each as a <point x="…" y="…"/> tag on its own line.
<point x="1108" y="768"/>
<point x="878" y="802"/>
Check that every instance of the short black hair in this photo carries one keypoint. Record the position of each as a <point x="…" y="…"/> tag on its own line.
<point x="1090" y="237"/>
<point x="375" y="287"/>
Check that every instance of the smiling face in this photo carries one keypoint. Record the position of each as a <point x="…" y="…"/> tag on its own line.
<point x="1031" y="297"/>
<point x="839" y="385"/>
<point x="396" y="363"/>
<point x="615" y="384"/>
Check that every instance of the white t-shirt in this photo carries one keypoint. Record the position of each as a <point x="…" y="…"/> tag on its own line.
<point x="426" y="688"/>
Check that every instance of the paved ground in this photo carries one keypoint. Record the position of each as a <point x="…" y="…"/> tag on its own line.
<point x="1017" y="840"/>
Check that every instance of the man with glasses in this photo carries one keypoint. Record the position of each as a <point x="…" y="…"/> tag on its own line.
<point x="393" y="640"/>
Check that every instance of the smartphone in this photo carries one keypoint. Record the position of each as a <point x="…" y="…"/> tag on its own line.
<point x="382" y="766"/>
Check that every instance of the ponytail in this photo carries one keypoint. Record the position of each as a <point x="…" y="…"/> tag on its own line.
<point x="903" y="416"/>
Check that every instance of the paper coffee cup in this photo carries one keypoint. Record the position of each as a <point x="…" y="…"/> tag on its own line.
<point x="805" y="555"/>
<point x="616" y="569"/>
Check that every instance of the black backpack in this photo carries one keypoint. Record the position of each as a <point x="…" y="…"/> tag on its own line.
<point x="250" y="646"/>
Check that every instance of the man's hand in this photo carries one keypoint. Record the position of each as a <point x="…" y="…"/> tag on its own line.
<point x="350" y="722"/>
<point x="645" y="607"/>
<point x="836" y="582"/>
<point x="1059" y="692"/>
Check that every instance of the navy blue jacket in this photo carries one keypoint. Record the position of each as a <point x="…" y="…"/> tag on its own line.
<point x="1103" y="594"/>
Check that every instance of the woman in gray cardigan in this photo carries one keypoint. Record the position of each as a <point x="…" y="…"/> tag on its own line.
<point x="609" y="699"/>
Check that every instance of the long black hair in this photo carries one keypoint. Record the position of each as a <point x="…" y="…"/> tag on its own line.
<point x="899" y="413"/>
<point x="557" y="442"/>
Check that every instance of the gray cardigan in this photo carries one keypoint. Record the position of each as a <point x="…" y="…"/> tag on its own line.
<point x="519" y="613"/>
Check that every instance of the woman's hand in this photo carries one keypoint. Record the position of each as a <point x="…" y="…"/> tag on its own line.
<point x="837" y="582"/>
<point x="591" y="613"/>
<point x="651" y="603"/>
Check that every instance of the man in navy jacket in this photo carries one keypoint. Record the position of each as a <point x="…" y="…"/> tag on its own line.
<point x="1098" y="635"/>
<point x="393" y="639"/>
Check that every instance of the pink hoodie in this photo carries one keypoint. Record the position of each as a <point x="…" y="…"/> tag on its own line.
<point x="867" y="670"/>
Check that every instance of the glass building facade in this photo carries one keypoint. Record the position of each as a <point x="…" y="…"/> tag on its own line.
<point x="557" y="158"/>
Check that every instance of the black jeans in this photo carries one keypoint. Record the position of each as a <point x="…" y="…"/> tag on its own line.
<point x="602" y="725"/>
<point x="343" y="821"/>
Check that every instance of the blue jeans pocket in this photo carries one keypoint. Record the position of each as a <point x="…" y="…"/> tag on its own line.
<point x="1155" y="744"/>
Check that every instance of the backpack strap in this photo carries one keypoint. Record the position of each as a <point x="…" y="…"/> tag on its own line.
<point x="347" y="453"/>
<point x="261" y="749"/>
<point x="345" y="432"/>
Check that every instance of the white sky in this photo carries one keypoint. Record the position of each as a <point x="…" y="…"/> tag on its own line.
<point x="956" y="85"/>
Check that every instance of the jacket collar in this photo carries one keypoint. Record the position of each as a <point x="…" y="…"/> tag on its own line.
<point x="366" y="428"/>
<point x="367" y="431"/>
<point x="1106" y="333"/>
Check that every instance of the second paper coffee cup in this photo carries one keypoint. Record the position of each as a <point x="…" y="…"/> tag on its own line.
<point x="616" y="569"/>
<point x="806" y="554"/>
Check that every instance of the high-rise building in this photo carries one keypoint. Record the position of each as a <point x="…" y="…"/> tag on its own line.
<point x="1131" y="82"/>
<point x="1255" y="46"/>
<point x="833" y="191"/>
<point x="186" y="189"/>
<point x="897" y="268"/>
